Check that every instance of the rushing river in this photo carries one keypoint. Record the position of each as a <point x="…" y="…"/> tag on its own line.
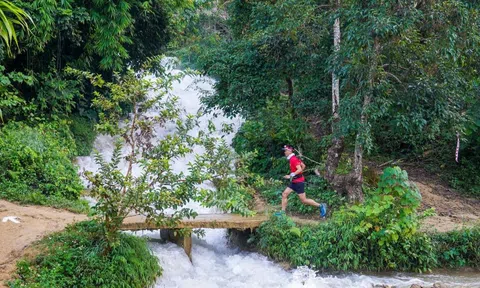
<point x="215" y="264"/>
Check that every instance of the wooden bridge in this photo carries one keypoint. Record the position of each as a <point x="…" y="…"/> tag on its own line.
<point x="225" y="221"/>
<point x="184" y="238"/>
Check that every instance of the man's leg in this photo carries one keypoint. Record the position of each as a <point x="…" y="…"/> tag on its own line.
<point x="305" y="200"/>
<point x="285" y="194"/>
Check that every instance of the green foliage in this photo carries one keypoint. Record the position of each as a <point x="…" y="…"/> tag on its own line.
<point x="97" y="36"/>
<point x="464" y="175"/>
<point x="35" y="164"/>
<point x="83" y="131"/>
<point x="390" y="211"/>
<point x="101" y="34"/>
<point x="263" y="47"/>
<point x="378" y="235"/>
<point x="458" y="248"/>
<point x="337" y="246"/>
<point x="231" y="176"/>
<point x="267" y="133"/>
<point x="55" y="96"/>
<point x="11" y="104"/>
<point x="111" y="21"/>
<point x="11" y="16"/>
<point x="407" y="68"/>
<point x="73" y="258"/>
<point x="22" y="193"/>
<point x="466" y="178"/>
<point x="316" y="188"/>
<point x="147" y="38"/>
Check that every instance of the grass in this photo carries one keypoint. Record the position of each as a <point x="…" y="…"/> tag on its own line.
<point x="20" y="193"/>
<point x="76" y="258"/>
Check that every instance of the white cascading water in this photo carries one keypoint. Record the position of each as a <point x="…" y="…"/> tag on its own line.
<point x="215" y="264"/>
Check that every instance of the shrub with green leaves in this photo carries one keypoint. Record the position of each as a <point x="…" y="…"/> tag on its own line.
<point x="73" y="258"/>
<point x="230" y="174"/>
<point x="391" y="211"/>
<point x="337" y="246"/>
<point x="458" y="248"/>
<point x="35" y="164"/>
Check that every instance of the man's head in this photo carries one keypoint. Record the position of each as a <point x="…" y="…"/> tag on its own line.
<point x="287" y="149"/>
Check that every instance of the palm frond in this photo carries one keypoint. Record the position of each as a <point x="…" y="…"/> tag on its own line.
<point x="11" y="16"/>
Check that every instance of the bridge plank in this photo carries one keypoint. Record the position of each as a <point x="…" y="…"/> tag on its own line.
<point x="231" y="221"/>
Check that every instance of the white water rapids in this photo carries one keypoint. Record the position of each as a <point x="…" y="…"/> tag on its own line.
<point x="215" y="264"/>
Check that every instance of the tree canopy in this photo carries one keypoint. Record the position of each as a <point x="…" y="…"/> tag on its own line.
<point x="407" y="70"/>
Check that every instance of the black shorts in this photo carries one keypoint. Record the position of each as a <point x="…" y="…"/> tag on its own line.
<point x="297" y="187"/>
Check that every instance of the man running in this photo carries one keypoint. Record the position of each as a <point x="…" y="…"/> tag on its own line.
<point x="297" y="182"/>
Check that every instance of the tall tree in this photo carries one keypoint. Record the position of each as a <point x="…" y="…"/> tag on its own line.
<point x="336" y="149"/>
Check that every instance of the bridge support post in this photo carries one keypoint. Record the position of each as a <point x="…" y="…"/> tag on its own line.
<point x="183" y="239"/>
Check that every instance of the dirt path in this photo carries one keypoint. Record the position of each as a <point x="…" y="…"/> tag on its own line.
<point x="35" y="223"/>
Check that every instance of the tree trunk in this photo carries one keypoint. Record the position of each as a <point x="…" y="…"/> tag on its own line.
<point x="357" y="192"/>
<point x="335" y="151"/>
<point x="335" y="80"/>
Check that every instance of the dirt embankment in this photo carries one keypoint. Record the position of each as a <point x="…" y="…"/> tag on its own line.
<point x="34" y="223"/>
<point x="453" y="209"/>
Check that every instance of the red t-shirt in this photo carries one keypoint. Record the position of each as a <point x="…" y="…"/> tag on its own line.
<point x="294" y="161"/>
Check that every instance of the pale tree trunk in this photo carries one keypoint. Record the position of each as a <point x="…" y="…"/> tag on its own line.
<point x="343" y="184"/>
<point x="357" y="193"/>
<point x="335" y="80"/>
<point x="335" y="151"/>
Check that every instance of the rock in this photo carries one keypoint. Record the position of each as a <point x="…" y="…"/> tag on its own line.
<point x="416" y="286"/>
<point x="439" y="285"/>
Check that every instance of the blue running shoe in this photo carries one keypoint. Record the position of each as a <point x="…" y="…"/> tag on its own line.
<point x="279" y="213"/>
<point x="323" y="210"/>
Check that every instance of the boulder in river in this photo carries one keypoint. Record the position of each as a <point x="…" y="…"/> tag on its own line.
<point x="436" y="285"/>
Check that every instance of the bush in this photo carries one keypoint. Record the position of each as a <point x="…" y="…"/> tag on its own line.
<point x="35" y="164"/>
<point x="22" y="193"/>
<point x="458" y="248"/>
<point x="73" y="258"/>
<point x="316" y="188"/>
<point x="231" y="176"/>
<point x="83" y="131"/>
<point x="337" y="246"/>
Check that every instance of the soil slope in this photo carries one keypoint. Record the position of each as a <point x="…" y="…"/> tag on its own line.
<point x="35" y="223"/>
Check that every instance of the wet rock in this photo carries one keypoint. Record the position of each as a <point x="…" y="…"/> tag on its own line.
<point x="439" y="285"/>
<point x="416" y="286"/>
<point x="383" y="286"/>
